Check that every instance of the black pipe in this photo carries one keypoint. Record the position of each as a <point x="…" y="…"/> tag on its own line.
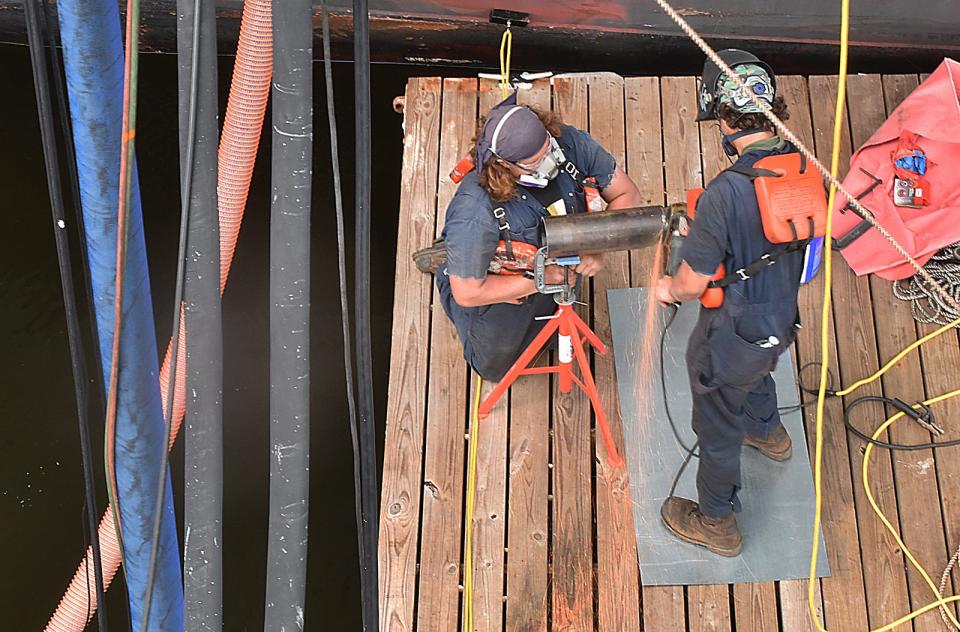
<point x="368" y="577"/>
<point x="70" y="162"/>
<point x="290" y="315"/>
<point x="623" y="229"/>
<point x="203" y="439"/>
<point x="52" y="164"/>
<point x="365" y="412"/>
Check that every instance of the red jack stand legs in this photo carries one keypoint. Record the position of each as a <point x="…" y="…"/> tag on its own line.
<point x="572" y="332"/>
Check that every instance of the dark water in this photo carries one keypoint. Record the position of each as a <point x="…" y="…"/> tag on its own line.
<point x="41" y="501"/>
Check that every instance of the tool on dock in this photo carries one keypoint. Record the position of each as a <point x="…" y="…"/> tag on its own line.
<point x="564" y="239"/>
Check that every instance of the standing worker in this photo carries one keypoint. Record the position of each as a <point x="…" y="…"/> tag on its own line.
<point x="733" y="348"/>
<point x="528" y="165"/>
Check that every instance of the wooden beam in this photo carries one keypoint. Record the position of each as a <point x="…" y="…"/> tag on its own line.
<point x="572" y="558"/>
<point x="438" y="602"/>
<point x="842" y="592"/>
<point x="618" y="575"/>
<point x="406" y="397"/>
<point x="529" y="476"/>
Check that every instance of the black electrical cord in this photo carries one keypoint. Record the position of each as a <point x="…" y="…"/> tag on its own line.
<point x="365" y="412"/>
<point x="186" y="195"/>
<point x="690" y="450"/>
<point x="369" y="605"/>
<point x="924" y="414"/>
<point x="81" y="394"/>
<point x="70" y="162"/>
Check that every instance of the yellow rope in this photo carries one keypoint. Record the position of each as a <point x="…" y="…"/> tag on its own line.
<point x="506" y="46"/>
<point x="824" y="316"/>
<point x="468" y="518"/>
<point x="883" y="517"/>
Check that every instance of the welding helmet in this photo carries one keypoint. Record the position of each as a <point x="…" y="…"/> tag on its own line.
<point x="716" y="88"/>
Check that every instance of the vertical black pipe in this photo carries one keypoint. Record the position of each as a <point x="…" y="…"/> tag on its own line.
<point x="81" y="394"/>
<point x="203" y="441"/>
<point x="52" y="38"/>
<point x="290" y="315"/>
<point x="365" y="418"/>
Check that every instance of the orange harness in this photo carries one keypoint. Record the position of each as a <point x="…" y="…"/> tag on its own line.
<point x="793" y="210"/>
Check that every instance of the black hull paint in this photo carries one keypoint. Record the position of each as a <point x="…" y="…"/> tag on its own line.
<point x="626" y="37"/>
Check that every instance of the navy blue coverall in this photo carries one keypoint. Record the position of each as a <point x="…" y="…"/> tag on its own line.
<point x="494" y="336"/>
<point x="733" y="391"/>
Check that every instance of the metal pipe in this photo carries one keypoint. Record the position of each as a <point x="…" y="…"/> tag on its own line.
<point x="290" y="316"/>
<point x="203" y="440"/>
<point x="586" y="233"/>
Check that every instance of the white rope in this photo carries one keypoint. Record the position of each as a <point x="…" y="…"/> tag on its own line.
<point x="784" y="132"/>
<point x="926" y="304"/>
<point x="943" y="584"/>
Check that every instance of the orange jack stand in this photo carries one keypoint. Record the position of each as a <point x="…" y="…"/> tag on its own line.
<point x="570" y="327"/>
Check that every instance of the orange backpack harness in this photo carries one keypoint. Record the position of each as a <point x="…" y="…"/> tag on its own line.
<point x="793" y="210"/>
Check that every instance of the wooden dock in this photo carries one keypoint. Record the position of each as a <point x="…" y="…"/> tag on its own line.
<point x="554" y="547"/>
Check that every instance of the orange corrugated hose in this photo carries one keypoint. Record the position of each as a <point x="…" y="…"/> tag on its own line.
<point x="239" y="140"/>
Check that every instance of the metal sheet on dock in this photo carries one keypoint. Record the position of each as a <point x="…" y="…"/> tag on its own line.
<point x="777" y="498"/>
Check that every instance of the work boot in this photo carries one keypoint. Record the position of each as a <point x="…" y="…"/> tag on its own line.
<point x="685" y="520"/>
<point x="430" y="259"/>
<point x="776" y="446"/>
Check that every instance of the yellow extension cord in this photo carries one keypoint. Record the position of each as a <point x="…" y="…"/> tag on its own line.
<point x="821" y="394"/>
<point x="506" y="46"/>
<point x="468" y="519"/>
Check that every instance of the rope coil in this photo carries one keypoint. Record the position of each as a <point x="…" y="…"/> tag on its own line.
<point x="926" y="304"/>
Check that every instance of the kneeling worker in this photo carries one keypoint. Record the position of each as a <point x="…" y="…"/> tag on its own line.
<point x="733" y="348"/>
<point x="528" y="164"/>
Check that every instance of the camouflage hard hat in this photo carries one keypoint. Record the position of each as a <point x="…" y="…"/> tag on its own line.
<point x="716" y="87"/>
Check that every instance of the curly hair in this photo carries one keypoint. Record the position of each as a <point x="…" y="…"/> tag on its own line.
<point x="495" y="177"/>
<point x="753" y="120"/>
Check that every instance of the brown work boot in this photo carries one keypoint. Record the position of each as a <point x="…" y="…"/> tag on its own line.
<point x="776" y="446"/>
<point x="430" y="259"/>
<point x="685" y="520"/>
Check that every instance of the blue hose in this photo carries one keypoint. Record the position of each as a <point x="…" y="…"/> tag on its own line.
<point x="93" y="61"/>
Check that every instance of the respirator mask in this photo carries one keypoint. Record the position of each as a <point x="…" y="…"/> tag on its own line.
<point x="546" y="170"/>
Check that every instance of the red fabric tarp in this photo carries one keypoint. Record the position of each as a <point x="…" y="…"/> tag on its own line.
<point x="932" y="112"/>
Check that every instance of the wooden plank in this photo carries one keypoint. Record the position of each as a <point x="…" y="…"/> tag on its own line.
<point x="572" y="554"/>
<point x="618" y="578"/>
<point x="914" y="471"/>
<point x="842" y="592"/>
<point x="794" y="611"/>
<point x="489" y="521"/>
<point x="755" y="607"/>
<point x="403" y="445"/>
<point x="528" y="534"/>
<point x="527" y="528"/>
<point x="664" y="606"/>
<point x="442" y="522"/>
<point x="883" y="565"/>
<point x="644" y="160"/>
<point x="708" y="608"/>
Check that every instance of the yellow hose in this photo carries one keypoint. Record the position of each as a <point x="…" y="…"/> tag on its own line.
<point x="824" y="314"/>
<point x="468" y="518"/>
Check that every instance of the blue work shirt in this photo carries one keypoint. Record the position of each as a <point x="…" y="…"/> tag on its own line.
<point x="471" y="232"/>
<point x="727" y="229"/>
